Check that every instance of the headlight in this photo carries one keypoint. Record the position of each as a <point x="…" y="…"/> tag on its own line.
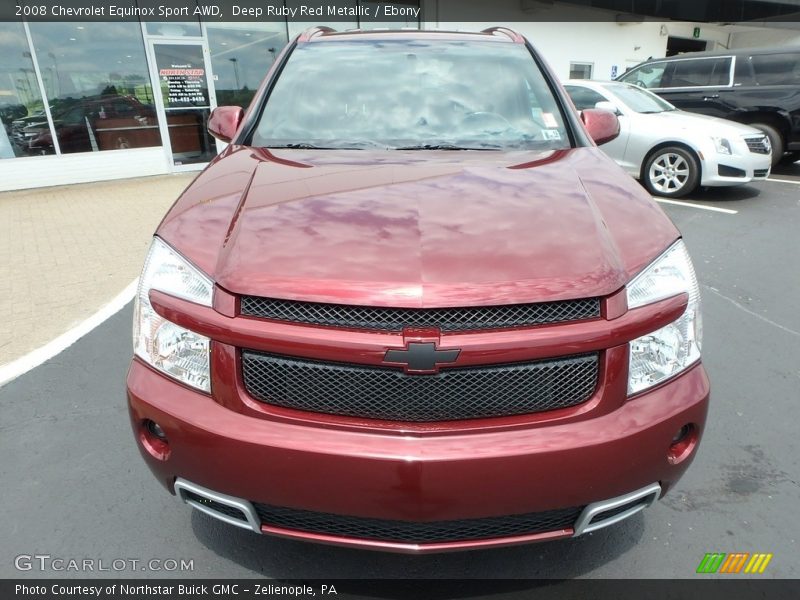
<point x="178" y="352"/>
<point x="723" y="145"/>
<point x="661" y="354"/>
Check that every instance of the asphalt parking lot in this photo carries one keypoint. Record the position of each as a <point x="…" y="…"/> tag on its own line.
<point x="75" y="487"/>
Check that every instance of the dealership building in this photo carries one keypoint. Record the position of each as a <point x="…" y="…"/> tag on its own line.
<point x="90" y="101"/>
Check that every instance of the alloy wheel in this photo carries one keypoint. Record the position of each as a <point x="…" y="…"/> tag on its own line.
<point x="669" y="173"/>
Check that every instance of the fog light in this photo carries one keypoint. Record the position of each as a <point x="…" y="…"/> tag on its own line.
<point x="682" y="433"/>
<point x="155" y="429"/>
<point x="154" y="440"/>
<point x="682" y="444"/>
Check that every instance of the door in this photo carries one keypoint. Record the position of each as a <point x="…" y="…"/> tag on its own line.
<point x="184" y="100"/>
<point x="700" y="85"/>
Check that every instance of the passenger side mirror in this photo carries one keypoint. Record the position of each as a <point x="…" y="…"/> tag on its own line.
<point x="602" y="125"/>
<point x="609" y="106"/>
<point x="224" y="122"/>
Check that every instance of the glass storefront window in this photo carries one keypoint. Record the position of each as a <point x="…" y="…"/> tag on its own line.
<point x="173" y="29"/>
<point x="185" y="95"/>
<point x="241" y="55"/>
<point x="21" y="103"/>
<point x="96" y="81"/>
<point x="170" y="28"/>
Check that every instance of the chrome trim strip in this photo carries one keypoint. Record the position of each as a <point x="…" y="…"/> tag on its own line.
<point x="648" y="495"/>
<point x="253" y="523"/>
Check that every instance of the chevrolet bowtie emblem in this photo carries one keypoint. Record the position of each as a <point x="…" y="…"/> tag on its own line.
<point x="421" y="357"/>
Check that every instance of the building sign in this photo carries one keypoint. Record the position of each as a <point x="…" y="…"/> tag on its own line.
<point x="184" y="81"/>
<point x="185" y="85"/>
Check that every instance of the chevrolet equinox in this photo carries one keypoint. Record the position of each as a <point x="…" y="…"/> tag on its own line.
<point x="413" y="307"/>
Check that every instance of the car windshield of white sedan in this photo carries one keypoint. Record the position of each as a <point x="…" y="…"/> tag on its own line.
<point x="414" y="95"/>
<point x="639" y="100"/>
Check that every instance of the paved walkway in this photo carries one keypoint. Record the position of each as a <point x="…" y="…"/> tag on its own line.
<point x="67" y="251"/>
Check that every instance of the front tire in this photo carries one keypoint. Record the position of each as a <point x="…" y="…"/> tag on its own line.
<point x="671" y="172"/>
<point x="775" y="140"/>
<point x="790" y="157"/>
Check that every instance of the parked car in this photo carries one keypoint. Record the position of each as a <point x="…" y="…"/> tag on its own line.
<point x="79" y="125"/>
<point x="755" y="86"/>
<point x="416" y="308"/>
<point x="670" y="151"/>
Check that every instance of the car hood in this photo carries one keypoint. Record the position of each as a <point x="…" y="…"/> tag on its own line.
<point x="673" y="120"/>
<point x="417" y="229"/>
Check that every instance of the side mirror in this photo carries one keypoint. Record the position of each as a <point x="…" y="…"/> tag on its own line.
<point x="609" y="106"/>
<point x="602" y="125"/>
<point x="224" y="122"/>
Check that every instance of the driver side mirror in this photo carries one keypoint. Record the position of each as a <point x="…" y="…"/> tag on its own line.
<point x="224" y="122"/>
<point x="602" y="125"/>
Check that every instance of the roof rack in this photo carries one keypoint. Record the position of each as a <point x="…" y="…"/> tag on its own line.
<point x="313" y="32"/>
<point x="506" y="31"/>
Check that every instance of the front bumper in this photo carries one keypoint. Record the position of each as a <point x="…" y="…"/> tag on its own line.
<point x="737" y="169"/>
<point x="417" y="477"/>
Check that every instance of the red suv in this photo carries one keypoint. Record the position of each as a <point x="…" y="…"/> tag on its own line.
<point x="413" y="307"/>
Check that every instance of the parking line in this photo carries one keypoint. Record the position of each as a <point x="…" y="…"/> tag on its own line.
<point x="33" y="359"/>
<point x="783" y="180"/>
<point x="727" y="211"/>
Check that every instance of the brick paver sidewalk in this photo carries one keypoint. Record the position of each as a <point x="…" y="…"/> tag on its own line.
<point x="67" y="251"/>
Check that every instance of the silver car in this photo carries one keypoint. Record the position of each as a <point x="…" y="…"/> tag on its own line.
<point x="670" y="151"/>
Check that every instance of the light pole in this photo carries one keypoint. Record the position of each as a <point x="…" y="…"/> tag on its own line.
<point x="235" y="62"/>
<point x="58" y="74"/>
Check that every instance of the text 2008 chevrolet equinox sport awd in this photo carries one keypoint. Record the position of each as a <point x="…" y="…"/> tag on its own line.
<point x="413" y="307"/>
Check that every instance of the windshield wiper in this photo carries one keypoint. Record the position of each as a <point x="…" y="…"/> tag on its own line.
<point x="448" y="146"/>
<point x="348" y="145"/>
<point x="300" y="146"/>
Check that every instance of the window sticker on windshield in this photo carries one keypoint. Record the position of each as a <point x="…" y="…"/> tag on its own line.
<point x="551" y="134"/>
<point x="549" y="120"/>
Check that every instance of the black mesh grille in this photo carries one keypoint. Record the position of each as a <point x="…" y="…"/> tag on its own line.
<point x="756" y="144"/>
<point x="416" y="532"/>
<point x="229" y="511"/>
<point x="760" y="172"/>
<point x="395" y="319"/>
<point x="390" y="394"/>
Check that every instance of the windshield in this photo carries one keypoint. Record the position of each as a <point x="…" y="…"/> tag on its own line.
<point x="639" y="100"/>
<point x="413" y="94"/>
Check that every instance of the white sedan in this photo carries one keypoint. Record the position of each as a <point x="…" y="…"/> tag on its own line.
<point x="671" y="151"/>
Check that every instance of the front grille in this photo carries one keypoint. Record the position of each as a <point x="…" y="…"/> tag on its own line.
<point x="757" y="145"/>
<point x="412" y="532"/>
<point x="389" y="394"/>
<point x="760" y="172"/>
<point x="445" y="319"/>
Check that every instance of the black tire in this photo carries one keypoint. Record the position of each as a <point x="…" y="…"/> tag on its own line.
<point x="775" y="140"/>
<point x="671" y="172"/>
<point x="790" y="157"/>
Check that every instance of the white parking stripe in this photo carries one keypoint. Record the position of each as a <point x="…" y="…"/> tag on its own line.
<point x="783" y="180"/>
<point x="14" y="369"/>
<point x="727" y="211"/>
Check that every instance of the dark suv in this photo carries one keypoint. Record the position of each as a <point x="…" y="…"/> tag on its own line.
<point x="413" y="307"/>
<point x="757" y="87"/>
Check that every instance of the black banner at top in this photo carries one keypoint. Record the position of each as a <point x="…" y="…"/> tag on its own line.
<point x="401" y="11"/>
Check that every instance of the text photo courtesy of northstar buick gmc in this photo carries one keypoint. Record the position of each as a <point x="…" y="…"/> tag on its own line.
<point x="416" y="309"/>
